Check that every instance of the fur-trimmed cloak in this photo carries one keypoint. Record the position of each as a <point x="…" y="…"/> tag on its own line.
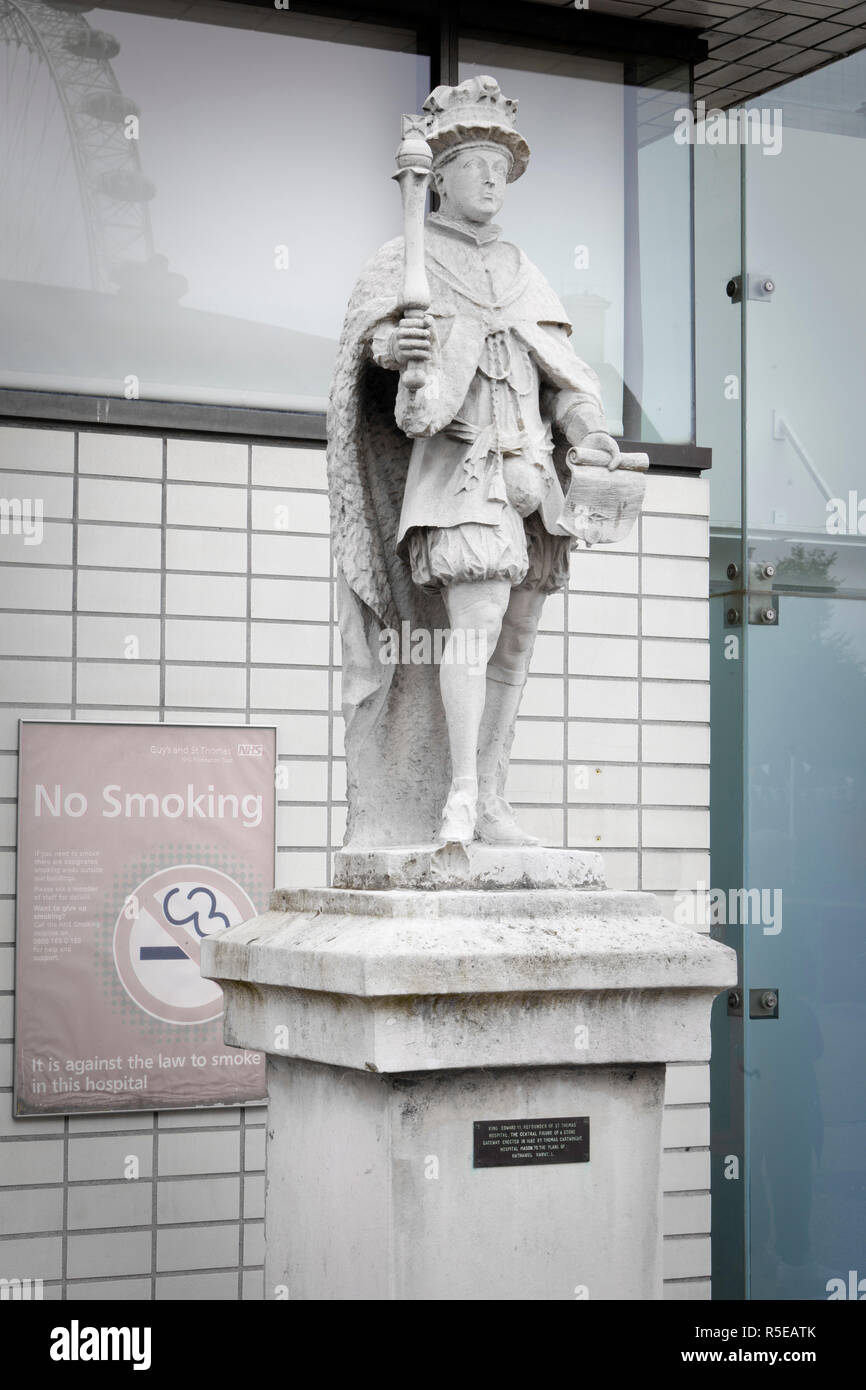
<point x="395" y="727"/>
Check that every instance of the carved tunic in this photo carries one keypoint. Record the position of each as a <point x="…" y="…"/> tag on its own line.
<point x="502" y="372"/>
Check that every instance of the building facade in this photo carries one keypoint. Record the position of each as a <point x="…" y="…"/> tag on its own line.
<point x="194" y="206"/>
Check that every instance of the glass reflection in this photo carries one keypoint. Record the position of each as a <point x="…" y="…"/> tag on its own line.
<point x="186" y="205"/>
<point x="807" y="804"/>
<point x="615" y="238"/>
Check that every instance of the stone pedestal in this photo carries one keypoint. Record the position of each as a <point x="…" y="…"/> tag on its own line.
<point x="397" y="1018"/>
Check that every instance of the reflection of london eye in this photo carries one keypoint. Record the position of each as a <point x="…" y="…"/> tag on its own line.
<point x="74" y="196"/>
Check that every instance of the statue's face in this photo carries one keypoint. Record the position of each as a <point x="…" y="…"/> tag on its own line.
<point x="471" y="186"/>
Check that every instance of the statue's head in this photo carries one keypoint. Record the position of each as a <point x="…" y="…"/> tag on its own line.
<point x="471" y="182"/>
<point x="476" y="148"/>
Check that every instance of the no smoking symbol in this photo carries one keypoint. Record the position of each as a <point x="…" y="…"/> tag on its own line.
<point x="157" y="945"/>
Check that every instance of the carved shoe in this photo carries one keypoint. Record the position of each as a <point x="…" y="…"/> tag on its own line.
<point x="458" y="818"/>
<point x="497" y="825"/>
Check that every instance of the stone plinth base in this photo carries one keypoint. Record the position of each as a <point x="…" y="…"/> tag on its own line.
<point x="471" y="866"/>
<point x="396" y="1020"/>
<point x="372" y="1193"/>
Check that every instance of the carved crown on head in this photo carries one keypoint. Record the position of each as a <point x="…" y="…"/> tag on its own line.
<point x="475" y="112"/>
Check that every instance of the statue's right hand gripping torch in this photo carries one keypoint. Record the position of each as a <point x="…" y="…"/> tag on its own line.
<point x="414" y="165"/>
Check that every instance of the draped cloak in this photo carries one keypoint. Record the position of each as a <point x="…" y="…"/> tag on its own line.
<point x="396" y="740"/>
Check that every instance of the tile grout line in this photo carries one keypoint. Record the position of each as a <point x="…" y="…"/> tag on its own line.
<point x="163" y="580"/>
<point x="242" y="1164"/>
<point x="154" y="1203"/>
<point x="640" y="702"/>
<point x="248" y="720"/>
<point x="73" y="701"/>
<point x="163" y="594"/>
<point x="64" y="1240"/>
<point x="332" y="620"/>
<point x="249" y="588"/>
<point x="566" y="711"/>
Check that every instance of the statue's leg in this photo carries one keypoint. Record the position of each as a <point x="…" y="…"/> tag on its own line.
<point x="547" y="571"/>
<point x="475" y="614"/>
<point x="506" y="677"/>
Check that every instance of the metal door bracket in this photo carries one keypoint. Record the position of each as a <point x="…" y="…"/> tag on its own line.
<point x="735" y="1003"/>
<point x="763" y="604"/>
<point x="761" y="286"/>
<point x="764" y="609"/>
<point x="763" y="1003"/>
<point x="757" y="287"/>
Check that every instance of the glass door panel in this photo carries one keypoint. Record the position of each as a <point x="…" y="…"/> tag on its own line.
<point x="805" y="941"/>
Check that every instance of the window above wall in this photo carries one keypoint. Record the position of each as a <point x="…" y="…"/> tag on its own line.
<point x="195" y="187"/>
<point x="186" y="204"/>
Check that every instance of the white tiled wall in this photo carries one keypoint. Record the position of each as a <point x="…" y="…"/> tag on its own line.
<point x="215" y="555"/>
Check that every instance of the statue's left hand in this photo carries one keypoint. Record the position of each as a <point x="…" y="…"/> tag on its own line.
<point x="605" y="443"/>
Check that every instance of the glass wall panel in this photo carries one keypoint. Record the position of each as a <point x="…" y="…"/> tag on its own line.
<point x="805" y="210"/>
<point x="662" y="238"/>
<point x="718" y="331"/>
<point x="604" y="210"/>
<point x="805" y="688"/>
<point x="788" y="578"/>
<point x="186" y="205"/>
<point x="807" y="809"/>
<point x="567" y="211"/>
<point x="718" y="400"/>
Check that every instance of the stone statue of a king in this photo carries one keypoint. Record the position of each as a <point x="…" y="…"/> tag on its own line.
<point x="440" y="977"/>
<point x="448" y="431"/>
